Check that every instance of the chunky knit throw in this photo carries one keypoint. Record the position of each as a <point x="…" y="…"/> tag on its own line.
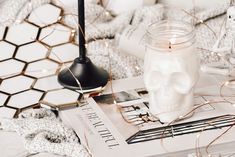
<point x="106" y="26"/>
<point x="104" y="53"/>
<point x="43" y="132"/>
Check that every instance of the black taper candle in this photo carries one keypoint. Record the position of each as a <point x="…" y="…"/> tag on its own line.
<point x="81" y="27"/>
<point x="89" y="76"/>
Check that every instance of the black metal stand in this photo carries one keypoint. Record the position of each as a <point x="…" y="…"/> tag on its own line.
<point x="89" y="76"/>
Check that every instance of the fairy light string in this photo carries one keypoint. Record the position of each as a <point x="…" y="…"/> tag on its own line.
<point x="226" y="83"/>
<point x="197" y="145"/>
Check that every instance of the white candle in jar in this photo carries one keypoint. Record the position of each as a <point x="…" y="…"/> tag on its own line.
<point x="120" y="6"/>
<point x="170" y="69"/>
<point x="131" y="41"/>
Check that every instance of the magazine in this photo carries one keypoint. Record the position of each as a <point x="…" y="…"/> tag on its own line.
<point x="125" y="127"/>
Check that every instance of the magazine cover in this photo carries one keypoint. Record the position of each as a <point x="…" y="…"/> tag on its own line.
<point x="119" y="123"/>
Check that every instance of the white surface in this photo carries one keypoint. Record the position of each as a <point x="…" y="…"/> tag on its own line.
<point x="63" y="96"/>
<point x="3" y="98"/>
<point x="32" y="52"/>
<point x="47" y="83"/>
<point x="7" y="50"/>
<point x="16" y="84"/>
<point x="67" y="52"/>
<point x="11" y="67"/>
<point x="6" y="112"/>
<point x="45" y="15"/>
<point x="42" y="68"/>
<point x="55" y="34"/>
<point x="25" y="33"/>
<point x="25" y="99"/>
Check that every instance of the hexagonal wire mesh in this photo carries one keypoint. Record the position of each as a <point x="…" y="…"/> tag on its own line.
<point x="29" y="61"/>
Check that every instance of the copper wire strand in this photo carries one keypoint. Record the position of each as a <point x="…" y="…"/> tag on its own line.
<point x="218" y="137"/>
<point x="79" y="27"/>
<point x="197" y="143"/>
<point x="42" y="70"/>
<point x="92" y="23"/>
<point x="197" y="149"/>
<point x="223" y="97"/>
<point x="47" y="35"/>
<point x="197" y="146"/>
<point x="54" y="29"/>
<point x="182" y="117"/>
<point x="223" y="24"/>
<point x="77" y="81"/>
<point x="194" y="11"/>
<point x="88" y="147"/>
<point x="112" y="90"/>
<point x="195" y="17"/>
<point x="81" y="89"/>
<point x="229" y="128"/>
<point x="205" y="103"/>
<point x="75" y="16"/>
<point x="221" y="89"/>
<point x="111" y="78"/>
<point x="103" y="11"/>
<point x="30" y="71"/>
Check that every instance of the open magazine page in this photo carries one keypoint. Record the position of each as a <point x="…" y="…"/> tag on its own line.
<point x="127" y="128"/>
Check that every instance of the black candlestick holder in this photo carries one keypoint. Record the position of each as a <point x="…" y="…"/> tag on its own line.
<point x="83" y="70"/>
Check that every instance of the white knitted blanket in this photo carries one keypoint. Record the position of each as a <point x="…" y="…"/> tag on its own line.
<point x="15" y="11"/>
<point x="106" y="26"/>
<point x="41" y="131"/>
<point x="103" y="53"/>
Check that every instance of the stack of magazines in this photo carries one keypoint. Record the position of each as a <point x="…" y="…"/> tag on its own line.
<point x="118" y="123"/>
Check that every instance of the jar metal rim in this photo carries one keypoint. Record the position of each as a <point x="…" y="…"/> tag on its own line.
<point x="189" y="33"/>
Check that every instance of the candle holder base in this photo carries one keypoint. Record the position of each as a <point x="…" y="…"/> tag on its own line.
<point x="89" y="75"/>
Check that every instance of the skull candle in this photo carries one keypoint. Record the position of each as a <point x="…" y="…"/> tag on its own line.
<point x="171" y="69"/>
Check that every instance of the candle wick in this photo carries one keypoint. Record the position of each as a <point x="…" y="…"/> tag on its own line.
<point x="169" y="45"/>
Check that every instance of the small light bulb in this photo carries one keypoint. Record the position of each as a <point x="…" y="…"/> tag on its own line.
<point x="30" y="4"/>
<point x="106" y="44"/>
<point x="198" y="136"/>
<point x="137" y="68"/>
<point x="226" y="83"/>
<point x="181" y="117"/>
<point x="18" y="21"/>
<point x="59" y="18"/>
<point x="107" y="13"/>
<point x="207" y="102"/>
<point x="201" y="21"/>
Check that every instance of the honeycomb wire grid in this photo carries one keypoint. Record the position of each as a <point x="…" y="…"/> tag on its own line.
<point x="29" y="61"/>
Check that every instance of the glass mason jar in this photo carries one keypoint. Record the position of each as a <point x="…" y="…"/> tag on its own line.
<point x="171" y="69"/>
